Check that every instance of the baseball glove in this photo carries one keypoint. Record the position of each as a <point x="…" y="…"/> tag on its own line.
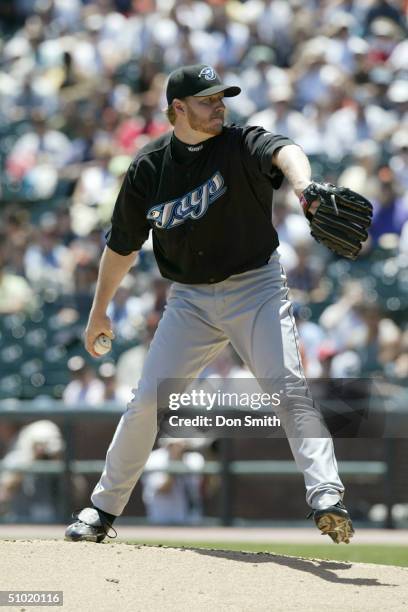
<point x="341" y="219"/>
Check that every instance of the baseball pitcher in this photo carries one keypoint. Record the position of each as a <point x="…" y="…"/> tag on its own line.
<point x="205" y="191"/>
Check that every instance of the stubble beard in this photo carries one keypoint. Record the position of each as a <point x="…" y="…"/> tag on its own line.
<point x="201" y="126"/>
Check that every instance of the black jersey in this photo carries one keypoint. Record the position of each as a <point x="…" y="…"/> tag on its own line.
<point x="209" y="209"/>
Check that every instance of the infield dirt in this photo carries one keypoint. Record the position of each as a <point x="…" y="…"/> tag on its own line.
<point x="121" y="577"/>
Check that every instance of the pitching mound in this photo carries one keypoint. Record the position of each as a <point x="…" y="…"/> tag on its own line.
<point x="121" y="578"/>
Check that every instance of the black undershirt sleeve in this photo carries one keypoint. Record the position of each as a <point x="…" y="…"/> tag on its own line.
<point x="130" y="228"/>
<point x="260" y="145"/>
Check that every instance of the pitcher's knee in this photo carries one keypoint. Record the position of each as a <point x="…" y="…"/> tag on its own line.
<point x="143" y="400"/>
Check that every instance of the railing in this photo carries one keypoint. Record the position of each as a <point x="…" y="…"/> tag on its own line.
<point x="382" y="471"/>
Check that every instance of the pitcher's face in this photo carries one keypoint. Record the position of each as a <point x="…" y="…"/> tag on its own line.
<point x="206" y="113"/>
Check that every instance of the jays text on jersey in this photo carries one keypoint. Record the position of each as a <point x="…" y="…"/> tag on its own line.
<point x="209" y="205"/>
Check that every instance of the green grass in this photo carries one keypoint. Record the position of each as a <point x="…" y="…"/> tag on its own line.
<point x="384" y="554"/>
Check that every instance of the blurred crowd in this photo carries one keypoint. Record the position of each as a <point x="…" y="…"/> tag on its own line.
<point x="82" y="88"/>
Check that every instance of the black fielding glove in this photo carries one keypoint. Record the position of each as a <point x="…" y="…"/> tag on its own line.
<point x="341" y="220"/>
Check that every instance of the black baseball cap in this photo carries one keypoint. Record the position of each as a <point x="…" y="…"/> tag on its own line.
<point x="197" y="80"/>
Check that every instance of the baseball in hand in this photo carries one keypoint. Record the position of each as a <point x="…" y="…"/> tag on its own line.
<point x="102" y="344"/>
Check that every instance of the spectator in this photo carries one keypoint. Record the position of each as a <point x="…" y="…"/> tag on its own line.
<point x="384" y="9"/>
<point x="260" y="77"/>
<point x="346" y="364"/>
<point x="48" y="263"/>
<point x="16" y="295"/>
<point x="384" y="36"/>
<point x="95" y="181"/>
<point x="358" y="121"/>
<point x="398" y="58"/>
<point x="85" y="277"/>
<point x="85" y="387"/>
<point x="398" y="96"/>
<point x="130" y="363"/>
<point x="173" y="499"/>
<point x="124" y="310"/>
<point x="275" y="27"/>
<point x="36" y="157"/>
<point x="290" y="222"/>
<point x="308" y="72"/>
<point x="25" y="496"/>
<point x="341" y="320"/>
<point x="399" y="159"/>
<point x="378" y="342"/>
<point x="390" y="209"/>
<point x="279" y="116"/>
<point x="305" y="277"/>
<point x="311" y="337"/>
<point x="361" y="174"/>
<point x="66" y="234"/>
<point x="327" y="352"/>
<point x="113" y="391"/>
<point x="340" y="45"/>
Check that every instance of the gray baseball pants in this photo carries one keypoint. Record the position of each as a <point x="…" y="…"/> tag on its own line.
<point x="252" y="311"/>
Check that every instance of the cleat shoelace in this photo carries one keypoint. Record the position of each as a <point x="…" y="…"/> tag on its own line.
<point x="105" y="525"/>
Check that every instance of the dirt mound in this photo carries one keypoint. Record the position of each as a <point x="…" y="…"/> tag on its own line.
<point x="121" y="577"/>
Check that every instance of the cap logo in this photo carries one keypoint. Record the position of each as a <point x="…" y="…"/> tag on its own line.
<point x="208" y="73"/>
